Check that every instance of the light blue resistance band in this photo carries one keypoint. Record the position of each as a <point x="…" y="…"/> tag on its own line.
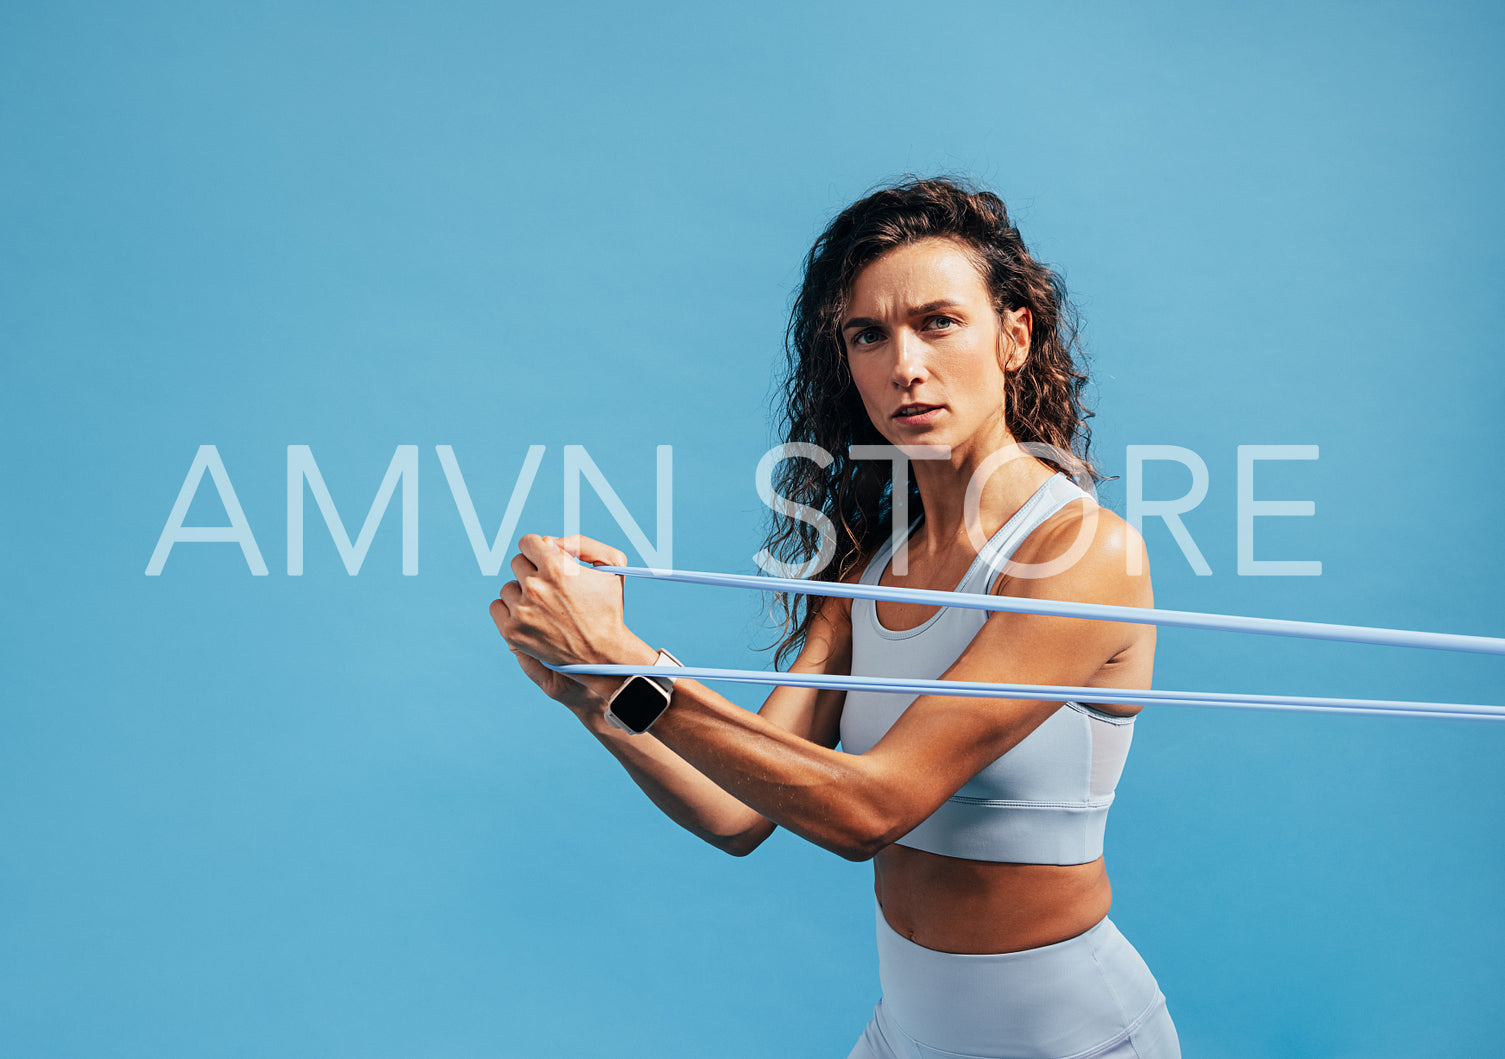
<point x="1309" y="630"/>
<point x="1054" y="693"/>
<point x="977" y="689"/>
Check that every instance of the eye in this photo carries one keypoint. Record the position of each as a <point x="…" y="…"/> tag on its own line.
<point x="940" y="323"/>
<point x="867" y="336"/>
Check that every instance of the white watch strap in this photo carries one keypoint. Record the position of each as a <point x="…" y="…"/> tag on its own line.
<point x="666" y="659"/>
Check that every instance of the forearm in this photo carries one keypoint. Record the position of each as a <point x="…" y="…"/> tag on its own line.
<point x="683" y="793"/>
<point x="556" y="614"/>
<point x="829" y="798"/>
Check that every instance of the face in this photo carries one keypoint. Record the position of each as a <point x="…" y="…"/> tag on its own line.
<point x="927" y="351"/>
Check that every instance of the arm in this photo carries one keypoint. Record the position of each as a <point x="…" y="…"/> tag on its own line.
<point x="685" y="794"/>
<point x="855" y="805"/>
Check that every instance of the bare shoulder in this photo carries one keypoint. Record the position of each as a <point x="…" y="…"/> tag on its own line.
<point x="827" y="644"/>
<point x="1083" y="551"/>
<point x="839" y="608"/>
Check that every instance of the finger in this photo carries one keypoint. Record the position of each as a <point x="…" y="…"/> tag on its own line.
<point x="510" y="595"/>
<point x="522" y="567"/>
<point x="538" y="550"/>
<point x="592" y="551"/>
<point x="535" y="670"/>
<point x="501" y="616"/>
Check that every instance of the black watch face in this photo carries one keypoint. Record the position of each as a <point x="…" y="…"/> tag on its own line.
<point x="639" y="703"/>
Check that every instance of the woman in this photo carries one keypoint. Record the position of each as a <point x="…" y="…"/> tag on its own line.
<point x="922" y="322"/>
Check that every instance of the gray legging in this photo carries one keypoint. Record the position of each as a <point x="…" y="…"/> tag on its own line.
<point x="1088" y="997"/>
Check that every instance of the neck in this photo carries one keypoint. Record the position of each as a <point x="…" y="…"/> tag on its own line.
<point x="1004" y="484"/>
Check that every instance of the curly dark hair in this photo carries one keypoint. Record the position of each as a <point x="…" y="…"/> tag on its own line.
<point x="823" y="408"/>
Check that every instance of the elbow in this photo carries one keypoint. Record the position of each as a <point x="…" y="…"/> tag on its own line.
<point x="871" y="812"/>
<point x="858" y="853"/>
<point x="741" y="843"/>
<point x="737" y="845"/>
<point x="863" y="848"/>
<point x="865" y="835"/>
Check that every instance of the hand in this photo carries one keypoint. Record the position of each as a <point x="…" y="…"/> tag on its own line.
<point x="561" y="687"/>
<point x="560" y="613"/>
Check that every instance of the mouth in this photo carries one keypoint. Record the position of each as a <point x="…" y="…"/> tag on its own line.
<point x="916" y="414"/>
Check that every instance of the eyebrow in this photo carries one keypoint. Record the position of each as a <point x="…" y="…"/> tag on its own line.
<point x="918" y="310"/>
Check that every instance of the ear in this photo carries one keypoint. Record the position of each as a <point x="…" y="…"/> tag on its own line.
<point x="1013" y="337"/>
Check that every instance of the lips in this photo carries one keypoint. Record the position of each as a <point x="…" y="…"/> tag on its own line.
<point x="916" y="414"/>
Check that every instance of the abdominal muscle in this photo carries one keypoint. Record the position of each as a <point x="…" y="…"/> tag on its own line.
<point x="971" y="906"/>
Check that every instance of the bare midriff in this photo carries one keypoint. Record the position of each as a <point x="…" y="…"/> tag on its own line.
<point x="973" y="906"/>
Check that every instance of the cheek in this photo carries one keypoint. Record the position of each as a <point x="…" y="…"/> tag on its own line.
<point x="864" y="378"/>
<point x="981" y="367"/>
<point x="870" y="387"/>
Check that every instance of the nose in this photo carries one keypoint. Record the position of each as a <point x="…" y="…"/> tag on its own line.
<point x="909" y="359"/>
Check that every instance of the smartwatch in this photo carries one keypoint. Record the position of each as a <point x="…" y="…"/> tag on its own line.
<point x="641" y="700"/>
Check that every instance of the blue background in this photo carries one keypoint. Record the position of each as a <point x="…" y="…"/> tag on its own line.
<point x="326" y="815"/>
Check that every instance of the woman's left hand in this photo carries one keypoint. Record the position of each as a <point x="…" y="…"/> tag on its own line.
<point x="562" y="613"/>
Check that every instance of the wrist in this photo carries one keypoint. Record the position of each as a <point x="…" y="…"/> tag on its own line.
<point x="641" y="699"/>
<point x="632" y="651"/>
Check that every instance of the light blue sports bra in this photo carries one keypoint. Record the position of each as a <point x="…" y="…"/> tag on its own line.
<point x="1043" y="802"/>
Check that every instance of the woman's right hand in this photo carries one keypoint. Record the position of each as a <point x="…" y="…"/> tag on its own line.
<point x="561" y="687"/>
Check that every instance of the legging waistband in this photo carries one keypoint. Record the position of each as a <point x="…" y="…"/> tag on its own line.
<point x="1055" y="1000"/>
